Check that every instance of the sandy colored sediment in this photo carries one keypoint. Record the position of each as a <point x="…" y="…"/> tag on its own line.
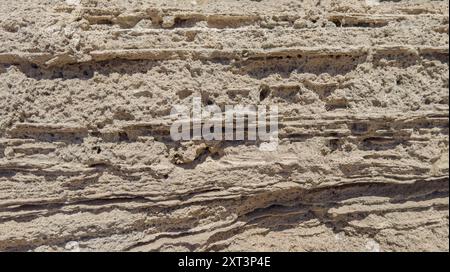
<point x="86" y="161"/>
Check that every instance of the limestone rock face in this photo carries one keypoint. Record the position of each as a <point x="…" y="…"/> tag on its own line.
<point x="86" y="158"/>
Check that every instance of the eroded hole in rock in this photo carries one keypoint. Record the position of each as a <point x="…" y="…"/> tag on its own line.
<point x="264" y="92"/>
<point x="123" y="137"/>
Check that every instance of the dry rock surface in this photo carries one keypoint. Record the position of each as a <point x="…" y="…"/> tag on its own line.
<point x="86" y="159"/>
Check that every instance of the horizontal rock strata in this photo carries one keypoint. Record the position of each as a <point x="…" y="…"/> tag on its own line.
<point x="86" y="158"/>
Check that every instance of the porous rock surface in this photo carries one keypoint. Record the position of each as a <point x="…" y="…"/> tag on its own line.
<point x="86" y="161"/>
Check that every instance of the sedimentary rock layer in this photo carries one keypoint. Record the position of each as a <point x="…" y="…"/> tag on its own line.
<point x="86" y="158"/>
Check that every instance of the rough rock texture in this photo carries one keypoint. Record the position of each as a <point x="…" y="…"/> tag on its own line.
<point x="86" y="161"/>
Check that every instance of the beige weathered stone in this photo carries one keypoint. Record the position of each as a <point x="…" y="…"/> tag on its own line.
<point x="87" y="164"/>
